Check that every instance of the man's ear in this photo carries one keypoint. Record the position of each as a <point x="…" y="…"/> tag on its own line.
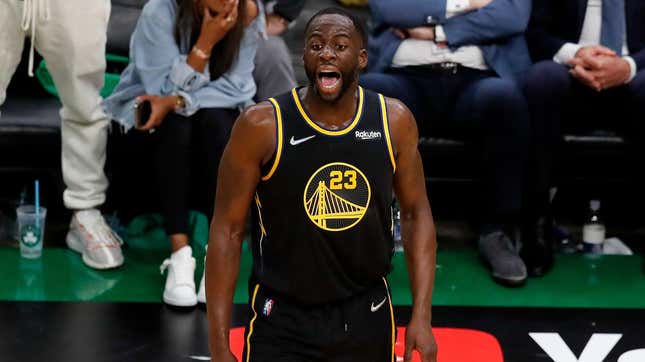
<point x="362" y="59"/>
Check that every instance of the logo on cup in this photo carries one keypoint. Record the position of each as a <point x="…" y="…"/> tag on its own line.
<point x="30" y="235"/>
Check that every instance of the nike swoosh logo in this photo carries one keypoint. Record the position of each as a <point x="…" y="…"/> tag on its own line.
<point x="374" y="308"/>
<point x="295" y="142"/>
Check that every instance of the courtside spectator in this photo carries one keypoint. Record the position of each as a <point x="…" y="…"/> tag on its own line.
<point x="193" y="60"/>
<point x="71" y="36"/>
<point x="455" y="63"/>
<point x="273" y="71"/>
<point x="589" y="72"/>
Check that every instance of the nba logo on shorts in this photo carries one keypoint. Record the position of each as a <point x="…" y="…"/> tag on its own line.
<point x="268" y="306"/>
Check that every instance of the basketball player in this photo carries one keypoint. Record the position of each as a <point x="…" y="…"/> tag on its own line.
<point x="318" y="165"/>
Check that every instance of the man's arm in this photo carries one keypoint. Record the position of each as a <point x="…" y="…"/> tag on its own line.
<point x="419" y="240"/>
<point x="251" y="144"/>
<point x="543" y="45"/>
<point x="639" y="59"/>
<point x="499" y="19"/>
<point x="492" y="20"/>
<point x="408" y="13"/>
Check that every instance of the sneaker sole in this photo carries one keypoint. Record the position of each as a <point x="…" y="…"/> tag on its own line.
<point x="505" y="281"/>
<point x="190" y="302"/>
<point x="201" y="300"/>
<point x="76" y="245"/>
<point x="509" y="282"/>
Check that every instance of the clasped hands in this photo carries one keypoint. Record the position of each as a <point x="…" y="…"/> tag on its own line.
<point x="599" y="68"/>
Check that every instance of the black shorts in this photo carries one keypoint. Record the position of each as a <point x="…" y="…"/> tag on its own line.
<point x="360" y="328"/>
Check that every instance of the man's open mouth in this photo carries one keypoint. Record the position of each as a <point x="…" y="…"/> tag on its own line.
<point x="328" y="80"/>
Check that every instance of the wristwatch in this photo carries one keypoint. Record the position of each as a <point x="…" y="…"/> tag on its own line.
<point x="180" y="102"/>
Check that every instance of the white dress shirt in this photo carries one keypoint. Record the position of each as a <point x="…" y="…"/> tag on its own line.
<point x="590" y="35"/>
<point x="422" y="52"/>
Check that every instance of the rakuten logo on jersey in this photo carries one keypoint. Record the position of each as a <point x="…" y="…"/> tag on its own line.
<point x="368" y="135"/>
<point x="597" y="349"/>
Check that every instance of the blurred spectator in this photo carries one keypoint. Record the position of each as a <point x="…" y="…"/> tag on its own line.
<point x="71" y="36"/>
<point x="454" y="63"/>
<point x="590" y="58"/>
<point x="354" y="2"/>
<point x="193" y="61"/>
<point x="273" y="71"/>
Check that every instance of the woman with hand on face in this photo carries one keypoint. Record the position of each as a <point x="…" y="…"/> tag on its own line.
<point x="192" y="60"/>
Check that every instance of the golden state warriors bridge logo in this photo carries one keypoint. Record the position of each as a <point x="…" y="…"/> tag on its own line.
<point x="337" y="196"/>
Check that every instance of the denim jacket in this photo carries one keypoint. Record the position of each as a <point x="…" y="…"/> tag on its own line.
<point x="158" y="66"/>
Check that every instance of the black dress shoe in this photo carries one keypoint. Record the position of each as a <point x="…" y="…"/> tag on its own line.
<point x="538" y="247"/>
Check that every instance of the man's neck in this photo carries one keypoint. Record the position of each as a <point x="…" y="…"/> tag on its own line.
<point x="331" y="115"/>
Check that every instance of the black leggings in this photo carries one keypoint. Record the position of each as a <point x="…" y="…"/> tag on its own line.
<point x="188" y="150"/>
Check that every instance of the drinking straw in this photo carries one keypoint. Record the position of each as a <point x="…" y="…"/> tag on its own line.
<point x="37" y="198"/>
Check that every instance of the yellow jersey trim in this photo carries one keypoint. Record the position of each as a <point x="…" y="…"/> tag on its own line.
<point x="255" y="315"/>
<point x="278" y="153"/>
<point x="389" y="298"/>
<point x="386" y="129"/>
<point x="346" y="130"/>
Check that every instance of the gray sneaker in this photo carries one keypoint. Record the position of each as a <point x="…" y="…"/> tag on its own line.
<point x="90" y="236"/>
<point x="502" y="256"/>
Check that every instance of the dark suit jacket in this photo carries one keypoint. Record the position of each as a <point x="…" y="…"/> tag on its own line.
<point x="556" y="22"/>
<point x="498" y="29"/>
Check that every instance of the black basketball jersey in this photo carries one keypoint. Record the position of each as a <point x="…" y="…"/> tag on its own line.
<point x="323" y="206"/>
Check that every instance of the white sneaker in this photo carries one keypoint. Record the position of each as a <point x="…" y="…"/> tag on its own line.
<point x="201" y="295"/>
<point x="92" y="237"/>
<point x="180" y="283"/>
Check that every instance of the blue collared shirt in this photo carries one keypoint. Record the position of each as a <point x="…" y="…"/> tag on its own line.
<point x="158" y="66"/>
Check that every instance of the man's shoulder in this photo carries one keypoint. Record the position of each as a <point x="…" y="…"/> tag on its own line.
<point x="259" y="116"/>
<point x="397" y="111"/>
<point x="402" y="124"/>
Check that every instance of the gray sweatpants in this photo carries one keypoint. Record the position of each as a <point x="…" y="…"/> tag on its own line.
<point x="71" y="36"/>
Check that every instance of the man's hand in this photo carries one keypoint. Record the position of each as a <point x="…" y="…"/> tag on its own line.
<point x="593" y="51"/>
<point x="589" y="60"/>
<point x="584" y="76"/>
<point x="419" y="337"/>
<point x="478" y="4"/>
<point x="421" y="33"/>
<point x="613" y="72"/>
<point x="276" y="24"/>
<point x="599" y="68"/>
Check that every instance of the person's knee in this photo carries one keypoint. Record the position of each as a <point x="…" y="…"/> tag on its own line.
<point x="217" y="122"/>
<point x="503" y="107"/>
<point x="177" y="130"/>
<point x="500" y="94"/>
<point x="547" y="79"/>
<point x="369" y="80"/>
<point x="377" y="82"/>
